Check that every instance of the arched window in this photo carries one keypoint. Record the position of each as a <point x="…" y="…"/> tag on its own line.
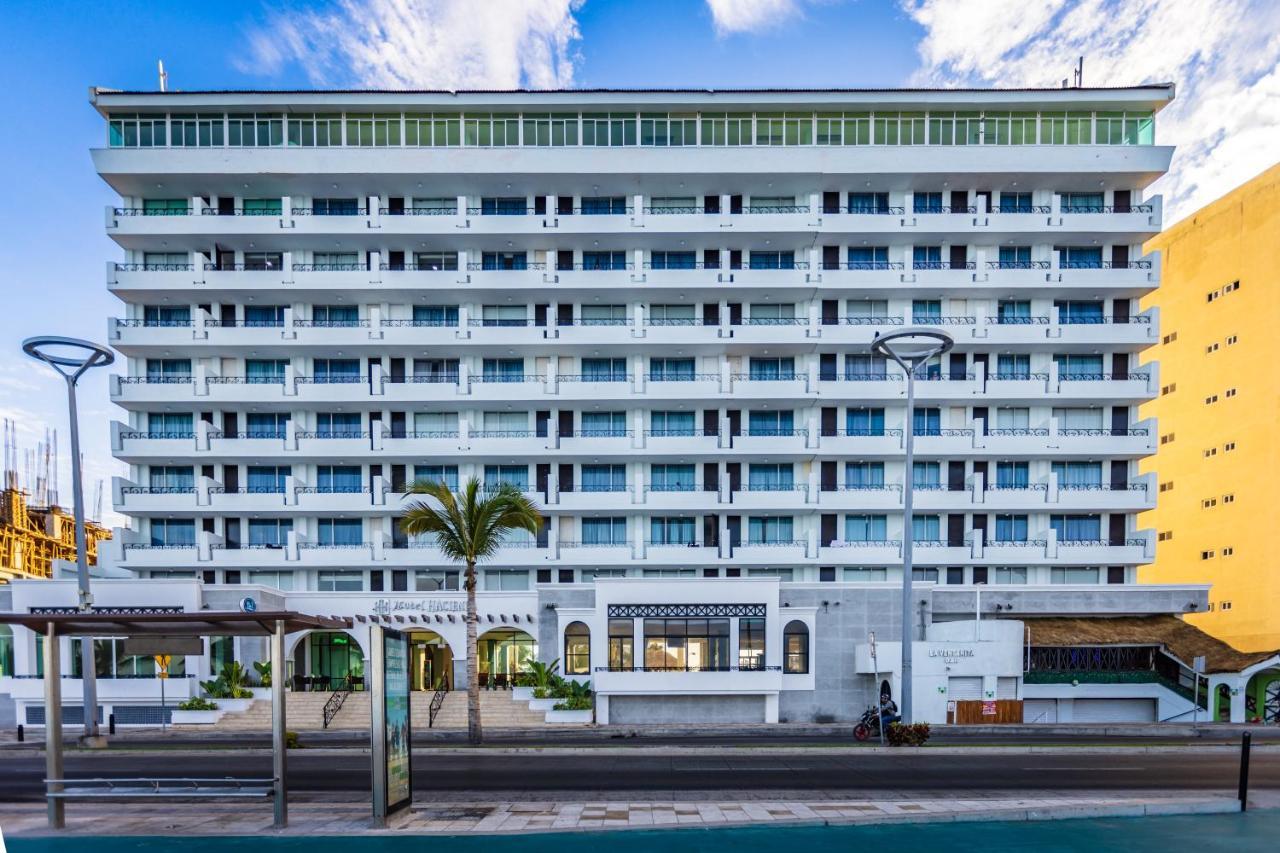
<point x="795" y="646"/>
<point x="577" y="649"/>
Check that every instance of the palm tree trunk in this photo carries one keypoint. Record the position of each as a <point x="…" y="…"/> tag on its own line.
<point x="474" y="732"/>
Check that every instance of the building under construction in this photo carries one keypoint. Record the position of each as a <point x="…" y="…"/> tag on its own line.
<point x="34" y="530"/>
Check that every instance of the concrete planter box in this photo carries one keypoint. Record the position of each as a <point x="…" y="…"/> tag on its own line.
<point x="554" y="716"/>
<point x="543" y="704"/>
<point x="521" y="694"/>
<point x="262" y="693"/>
<point x="233" y="706"/>
<point x="196" y="718"/>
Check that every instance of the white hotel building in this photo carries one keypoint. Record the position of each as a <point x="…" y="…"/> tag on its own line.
<point x="652" y="311"/>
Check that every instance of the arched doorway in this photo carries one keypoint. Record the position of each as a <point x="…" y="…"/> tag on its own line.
<point x="327" y="658"/>
<point x="430" y="661"/>
<point x="504" y="653"/>
<point x="577" y="649"/>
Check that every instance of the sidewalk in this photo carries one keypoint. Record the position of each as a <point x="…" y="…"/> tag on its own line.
<point x="325" y="816"/>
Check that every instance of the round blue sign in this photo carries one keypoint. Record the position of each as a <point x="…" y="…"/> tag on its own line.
<point x="248" y="605"/>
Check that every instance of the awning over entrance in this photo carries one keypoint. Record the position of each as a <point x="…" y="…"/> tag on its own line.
<point x="166" y="621"/>
<point x="1181" y="640"/>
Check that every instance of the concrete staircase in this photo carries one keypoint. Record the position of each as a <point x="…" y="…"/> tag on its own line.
<point x="306" y="713"/>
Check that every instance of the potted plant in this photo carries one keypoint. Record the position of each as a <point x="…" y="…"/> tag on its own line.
<point x="262" y="690"/>
<point x="576" y="706"/>
<point x="546" y="696"/>
<point x="522" y="687"/>
<point x="536" y="681"/>
<point x="231" y="686"/>
<point x="196" y="711"/>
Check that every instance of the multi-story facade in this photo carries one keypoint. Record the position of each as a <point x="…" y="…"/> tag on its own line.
<point x="652" y="311"/>
<point x="33" y="537"/>
<point x="1216" y="410"/>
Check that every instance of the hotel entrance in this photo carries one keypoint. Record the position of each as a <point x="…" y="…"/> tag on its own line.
<point x="430" y="662"/>
<point x="504" y="653"/>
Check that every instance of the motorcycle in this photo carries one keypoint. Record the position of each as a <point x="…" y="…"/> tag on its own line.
<point x="869" y="726"/>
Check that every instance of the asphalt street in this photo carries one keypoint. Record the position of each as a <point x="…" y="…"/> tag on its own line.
<point x="614" y="770"/>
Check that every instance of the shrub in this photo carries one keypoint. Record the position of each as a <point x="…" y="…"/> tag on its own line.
<point x="197" y="703"/>
<point x="916" y="734"/>
<point x="291" y="741"/>
<point x="264" y="672"/>
<point x="574" y="703"/>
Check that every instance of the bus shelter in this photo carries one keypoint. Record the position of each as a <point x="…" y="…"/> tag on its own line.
<point x="146" y="622"/>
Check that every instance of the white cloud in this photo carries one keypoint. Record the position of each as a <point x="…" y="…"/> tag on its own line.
<point x="1222" y="54"/>
<point x="423" y="44"/>
<point x="742" y="16"/>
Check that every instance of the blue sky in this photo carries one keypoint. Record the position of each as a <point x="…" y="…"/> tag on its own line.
<point x="1224" y="55"/>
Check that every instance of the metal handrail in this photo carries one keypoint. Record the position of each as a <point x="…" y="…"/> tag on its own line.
<point x="158" y="490"/>
<point x="776" y="208"/>
<point x="420" y="211"/>
<point x="334" y="705"/>
<point x="528" y="265"/>
<point x="212" y="267"/>
<point x="944" y="208"/>
<point x="437" y="702"/>
<point x="943" y="265"/>
<point x="155" y="267"/>
<point x="864" y="265"/>
<point x="1022" y="208"/>
<point x="147" y="211"/>
<point x="878" y="210"/>
<point x="357" y="267"/>
<point x="1017" y="265"/>
<point x="311" y="211"/>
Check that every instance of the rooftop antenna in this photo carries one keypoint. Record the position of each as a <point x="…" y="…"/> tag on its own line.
<point x="164" y="76"/>
<point x="1079" y="72"/>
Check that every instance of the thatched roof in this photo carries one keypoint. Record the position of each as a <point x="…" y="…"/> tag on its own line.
<point x="1181" y="640"/>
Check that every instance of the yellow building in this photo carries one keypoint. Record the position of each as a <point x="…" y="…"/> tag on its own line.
<point x="31" y="538"/>
<point x="1218" y="457"/>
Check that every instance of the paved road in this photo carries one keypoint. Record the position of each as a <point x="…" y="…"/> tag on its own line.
<point x="20" y="773"/>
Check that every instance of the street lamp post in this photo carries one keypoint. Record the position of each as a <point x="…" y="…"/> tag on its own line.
<point x="910" y="348"/>
<point x="72" y="357"/>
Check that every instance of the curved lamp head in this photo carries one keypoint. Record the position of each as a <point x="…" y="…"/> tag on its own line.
<point x="912" y="346"/>
<point x="59" y="352"/>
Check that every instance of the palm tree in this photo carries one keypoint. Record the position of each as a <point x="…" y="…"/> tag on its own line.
<point x="470" y="526"/>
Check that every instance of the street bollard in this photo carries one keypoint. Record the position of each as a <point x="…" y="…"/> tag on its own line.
<point x="1245" y="743"/>
<point x="111" y="723"/>
<point x="22" y="735"/>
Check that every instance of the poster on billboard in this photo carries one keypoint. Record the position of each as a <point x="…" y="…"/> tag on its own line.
<point x="391" y="734"/>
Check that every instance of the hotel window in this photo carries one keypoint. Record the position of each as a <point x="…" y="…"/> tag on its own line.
<point x="439" y="131"/>
<point x="318" y="131"/>
<point x="1170" y="338"/>
<point x="862" y="574"/>
<point x="961" y="128"/>
<point x="1212" y="451"/>
<point x="604" y="531"/>
<point x="1228" y="447"/>
<point x="672" y="530"/>
<point x="670" y="573"/>
<point x="266" y="424"/>
<point x="577" y="649"/>
<point x="1228" y="499"/>
<point x="604" y="424"/>
<point x="169" y="425"/>
<point x="267" y="480"/>
<point x="133" y="131"/>
<point x="608" y="129"/>
<point x="255" y="131"/>
<point x="1228" y="551"/>
<point x="686" y="645"/>
<point x="771" y="423"/>
<point x="661" y="130"/>
<point x="338" y="581"/>
<point x="447" y="474"/>
<point x="435" y="580"/>
<point x="1011" y="528"/>
<point x="1211" y="399"/>
<point x="1233" y="339"/>
<point x="1230" y="392"/>
<point x="1009" y="575"/>
<point x="898" y="128"/>
<point x="339" y="532"/>
<point x="795" y="648"/>
<point x="270" y="533"/>
<point x="1226" y="605"/>
<point x="770" y="530"/>
<point x="173" y="533"/>
<point x="1013" y="475"/>
<point x="1206" y="555"/>
<point x="751" y="643"/>
<point x="726" y="129"/>
<point x="1164" y="535"/>
<point x="195" y="131"/>
<point x="550" y="130"/>
<point x="1164" y="487"/>
<point x="784" y="129"/>
<point x="1073" y="575"/>
<point x="1211" y="348"/>
<point x="621" y="645"/>
<point x="663" y="423"/>
<point x="865" y="528"/>
<point x="604" y="478"/>
<point x="1168" y="389"/>
<point x="505" y="580"/>
<point x="864" y="422"/>
<point x="1077" y="528"/>
<point x="1208" y="503"/>
<point x="786" y="575"/>
<point x="1166" y="438"/>
<point x="274" y="579"/>
<point x="863" y="475"/>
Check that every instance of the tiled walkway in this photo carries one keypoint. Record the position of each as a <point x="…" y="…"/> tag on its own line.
<point x="343" y="817"/>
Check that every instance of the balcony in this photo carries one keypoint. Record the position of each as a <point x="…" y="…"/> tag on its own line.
<point x="769" y="442"/>
<point x="870" y="553"/>
<point x="852" y="498"/>
<point x="770" y="496"/>
<point x="621" y="499"/>
<point x="679" y="498"/>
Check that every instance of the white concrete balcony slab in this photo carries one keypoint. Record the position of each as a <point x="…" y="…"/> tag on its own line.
<point x="246" y="500"/>
<point x="351" y="333"/>
<point x="746" y="387"/>
<point x="140" y="556"/>
<point x="940" y="274"/>
<point x="1102" y="552"/>
<point x="491" y="389"/>
<point x="1028" y="552"/>
<point x="423" y="389"/>
<point x="1020" y="386"/>
<point x="680" y="500"/>
<point x="946" y="388"/>
<point x="797" y="276"/>
<point x="1137" y="441"/>
<point x="305" y="222"/>
<point x="352" y="443"/>
<point x="241" y="390"/>
<point x="886" y="442"/>
<point x="511" y="555"/>
<point x="575" y="553"/>
<point x="126" y="278"/>
<point x="313" y="555"/>
<point x="940" y="553"/>
<point x="326" y="278"/>
<point x="597" y="333"/>
<point x="335" y="390"/>
<point x="884" y="221"/>
<point x="781" y="498"/>
<point x="690" y="442"/>
<point x="696" y="387"/>
<point x="434" y="281"/>
<point x="144" y="389"/>
<point x="533" y="277"/>
<point x="774" y="332"/>
<point x="1137" y="277"/>
<point x="127" y="334"/>
<point x="770" y="553"/>
<point x="218" y="336"/>
<point x="882" y="553"/>
<point x="251" y="557"/>
<point x="324" y="500"/>
<point x="588" y="389"/>
<point x="624" y="499"/>
<point x="249" y="280"/>
<point x="862" y="389"/>
<point x="1134" y="497"/>
<point x="1028" y="441"/>
<point x="857" y="331"/>
<point x="944" y="442"/>
<point x="942" y="499"/>
<point x="861" y="499"/>
<point x="440" y="443"/>
<point x="1136" y="387"/>
<point x="601" y="442"/>
<point x="1032" y="497"/>
<point x="507" y="443"/>
<point x="505" y="333"/>
<point x="147" y="500"/>
<point x="679" y="556"/>
<point x="140" y="445"/>
<point x="771" y="442"/>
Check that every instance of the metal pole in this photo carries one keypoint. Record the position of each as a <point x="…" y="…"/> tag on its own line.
<point x="279" y="741"/>
<point x="53" y="726"/>
<point x="908" y="632"/>
<point x="1245" y="743"/>
<point x="88" y="672"/>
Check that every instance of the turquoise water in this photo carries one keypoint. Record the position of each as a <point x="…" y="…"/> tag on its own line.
<point x="1259" y="830"/>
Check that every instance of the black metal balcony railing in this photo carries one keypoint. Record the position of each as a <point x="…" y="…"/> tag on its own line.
<point x="155" y="267"/>
<point x="683" y="377"/>
<point x="871" y="321"/>
<point x="771" y="432"/>
<point x="507" y="378"/>
<point x="596" y="266"/>
<point x="681" y="265"/>
<point x="1018" y="487"/>
<point x="356" y="267"/>
<point x="1022" y="208"/>
<point x="866" y="543"/>
<point x="1018" y="431"/>
<point x="429" y="379"/>
<point x="1018" y="321"/>
<point x="674" y="210"/>
<point x="752" y="667"/>
<point x="678" y="432"/>
<point x="1077" y="432"/>
<point x="419" y="211"/>
<point x="870" y="487"/>
<point x="147" y="211"/>
<point x="1018" y="265"/>
<point x="775" y="321"/>
<point x="1018" y="376"/>
<point x="673" y="487"/>
<point x="1102" y="377"/>
<point x="335" y="434"/>
<point x="776" y="208"/>
<point x="603" y="321"/>
<point x="775" y="487"/>
<point x="944" y="208"/>
<point x="862" y="265"/>
<point x="420" y="324"/>
<point x="943" y="265"/>
<point x="250" y="267"/>
<point x="760" y="266"/>
<point x="332" y="490"/>
<point x="158" y="434"/>
<point x="1105" y="265"/>
<point x="158" y="490"/>
<point x="768" y="377"/>
<point x="607" y="432"/>
<point x="213" y="211"/>
<point x="1107" y="208"/>
<point x="868" y="432"/>
<point x="483" y="267"/>
<point x="154" y="324"/>
<point x="277" y="489"/>
<point x="328" y="211"/>
<point x="944" y="320"/>
<point x="871" y="210"/>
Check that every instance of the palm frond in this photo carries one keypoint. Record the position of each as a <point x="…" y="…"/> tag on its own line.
<point x="469" y="526"/>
